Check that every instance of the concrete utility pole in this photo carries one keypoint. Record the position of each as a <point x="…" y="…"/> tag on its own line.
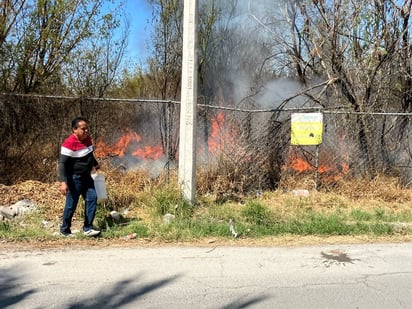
<point x="187" y="146"/>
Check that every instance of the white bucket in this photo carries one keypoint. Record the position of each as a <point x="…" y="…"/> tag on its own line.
<point x="100" y="186"/>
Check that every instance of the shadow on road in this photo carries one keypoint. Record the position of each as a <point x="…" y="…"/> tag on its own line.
<point x="238" y="304"/>
<point x="116" y="295"/>
<point x="120" y="294"/>
<point x="8" y="283"/>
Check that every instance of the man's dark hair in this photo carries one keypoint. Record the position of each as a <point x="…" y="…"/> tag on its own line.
<point x="75" y="121"/>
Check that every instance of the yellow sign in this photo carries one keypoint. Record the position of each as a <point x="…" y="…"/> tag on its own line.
<point x="307" y="129"/>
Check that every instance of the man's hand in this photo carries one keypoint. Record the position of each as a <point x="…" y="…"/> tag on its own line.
<point x="64" y="188"/>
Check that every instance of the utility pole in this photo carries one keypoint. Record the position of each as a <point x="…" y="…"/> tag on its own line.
<point x="187" y="138"/>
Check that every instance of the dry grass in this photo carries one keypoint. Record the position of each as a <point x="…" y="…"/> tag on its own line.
<point x="46" y="195"/>
<point x="381" y="188"/>
<point x="135" y="190"/>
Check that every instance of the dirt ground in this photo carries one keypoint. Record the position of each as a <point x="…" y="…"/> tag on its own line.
<point x="283" y="241"/>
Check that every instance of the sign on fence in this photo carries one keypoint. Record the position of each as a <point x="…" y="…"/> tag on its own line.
<point x="307" y="129"/>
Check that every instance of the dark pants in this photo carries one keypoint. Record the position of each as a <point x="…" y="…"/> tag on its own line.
<point x="79" y="186"/>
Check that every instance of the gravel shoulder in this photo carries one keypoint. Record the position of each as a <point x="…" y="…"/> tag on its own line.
<point x="282" y="241"/>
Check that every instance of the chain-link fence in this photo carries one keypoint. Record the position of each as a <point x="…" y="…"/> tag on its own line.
<point x="255" y="148"/>
<point x="237" y="150"/>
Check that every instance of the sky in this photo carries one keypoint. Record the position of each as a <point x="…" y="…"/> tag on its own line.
<point x="138" y="13"/>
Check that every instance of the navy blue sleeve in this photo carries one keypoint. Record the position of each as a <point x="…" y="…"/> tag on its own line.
<point x="62" y="167"/>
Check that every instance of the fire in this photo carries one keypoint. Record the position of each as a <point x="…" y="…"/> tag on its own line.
<point x="333" y="171"/>
<point x="300" y="165"/>
<point x="127" y="144"/>
<point x="149" y="152"/>
<point x="221" y="135"/>
<point x="215" y="140"/>
<point x="118" y="149"/>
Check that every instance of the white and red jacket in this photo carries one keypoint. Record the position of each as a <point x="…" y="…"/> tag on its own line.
<point x="76" y="157"/>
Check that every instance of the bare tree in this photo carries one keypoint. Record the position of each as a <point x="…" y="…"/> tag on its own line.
<point x="165" y="67"/>
<point x="357" y="49"/>
<point x="39" y="42"/>
<point x="9" y="12"/>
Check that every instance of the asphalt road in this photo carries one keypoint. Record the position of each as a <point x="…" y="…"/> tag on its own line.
<point x="327" y="276"/>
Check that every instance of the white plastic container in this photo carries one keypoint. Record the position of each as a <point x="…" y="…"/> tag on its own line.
<point x="100" y="186"/>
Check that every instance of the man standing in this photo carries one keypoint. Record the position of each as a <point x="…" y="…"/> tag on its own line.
<point x="75" y="166"/>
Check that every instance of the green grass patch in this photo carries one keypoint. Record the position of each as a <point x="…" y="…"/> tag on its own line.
<point x="251" y="218"/>
<point x="256" y="213"/>
<point x="361" y="215"/>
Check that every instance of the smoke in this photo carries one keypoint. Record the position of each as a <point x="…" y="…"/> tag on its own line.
<point x="251" y="60"/>
<point x="275" y="92"/>
<point x="153" y="168"/>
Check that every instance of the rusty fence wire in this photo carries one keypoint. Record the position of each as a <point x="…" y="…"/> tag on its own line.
<point x="238" y="150"/>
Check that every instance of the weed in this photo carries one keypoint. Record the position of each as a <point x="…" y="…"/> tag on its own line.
<point x="318" y="224"/>
<point x="273" y="213"/>
<point x="170" y="200"/>
<point x="381" y="229"/>
<point x="379" y="213"/>
<point x="4" y="227"/>
<point x="361" y="215"/>
<point x="118" y="231"/>
<point x="256" y="213"/>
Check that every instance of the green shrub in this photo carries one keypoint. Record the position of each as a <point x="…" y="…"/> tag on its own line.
<point x="170" y="200"/>
<point x="256" y="213"/>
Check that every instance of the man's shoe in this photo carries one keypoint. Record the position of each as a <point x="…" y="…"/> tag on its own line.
<point x="66" y="234"/>
<point x="91" y="232"/>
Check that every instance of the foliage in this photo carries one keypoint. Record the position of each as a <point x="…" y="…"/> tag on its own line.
<point x="342" y="56"/>
<point x="257" y="214"/>
<point x="271" y="56"/>
<point x="54" y="48"/>
<point x="4" y="227"/>
<point x="142" y="203"/>
<point x="168" y="200"/>
<point x="40" y="39"/>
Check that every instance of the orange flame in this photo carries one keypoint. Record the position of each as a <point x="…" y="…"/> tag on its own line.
<point x="103" y="149"/>
<point x="221" y="134"/>
<point x="149" y="152"/>
<point x="300" y="165"/>
<point x="125" y="144"/>
<point x="334" y="171"/>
